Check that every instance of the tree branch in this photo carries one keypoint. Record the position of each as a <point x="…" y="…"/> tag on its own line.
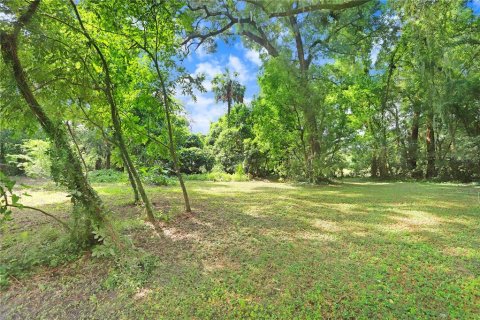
<point x="319" y="6"/>
<point x="41" y="211"/>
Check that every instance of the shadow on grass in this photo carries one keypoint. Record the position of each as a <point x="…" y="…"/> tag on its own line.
<point x="349" y="250"/>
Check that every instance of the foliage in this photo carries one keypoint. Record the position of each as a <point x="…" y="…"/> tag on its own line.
<point x="48" y="247"/>
<point x="6" y="193"/>
<point x="35" y="160"/>
<point x="157" y="175"/>
<point x="195" y="160"/>
<point x="131" y="271"/>
<point x="220" y="176"/>
<point x="227" y="89"/>
<point x="107" y="175"/>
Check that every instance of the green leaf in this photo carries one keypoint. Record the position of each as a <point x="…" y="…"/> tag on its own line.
<point x="15" y="199"/>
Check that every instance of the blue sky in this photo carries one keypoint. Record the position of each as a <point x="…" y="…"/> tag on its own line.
<point x="475" y="5"/>
<point x="237" y="58"/>
<point x="233" y="56"/>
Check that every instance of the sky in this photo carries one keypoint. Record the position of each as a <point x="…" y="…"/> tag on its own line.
<point x="236" y="58"/>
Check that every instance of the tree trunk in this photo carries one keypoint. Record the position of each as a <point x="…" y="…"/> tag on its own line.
<point x="131" y="179"/>
<point x="2" y="152"/>
<point x="118" y="133"/>
<point x="374" y="166"/>
<point x="413" y="147"/>
<point x="108" y="156"/>
<point x="67" y="167"/>
<point x="171" y="145"/>
<point x="382" y="160"/>
<point x="312" y="138"/>
<point x="133" y="173"/>
<point x="430" y="140"/>
<point x="382" y="163"/>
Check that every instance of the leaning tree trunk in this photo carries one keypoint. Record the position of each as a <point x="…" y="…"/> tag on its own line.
<point x="176" y="166"/>
<point x="67" y="169"/>
<point x="117" y="127"/>
<point x="171" y="145"/>
<point x="131" y="179"/>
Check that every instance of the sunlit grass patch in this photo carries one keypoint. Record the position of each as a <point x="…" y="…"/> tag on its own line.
<point x="272" y="250"/>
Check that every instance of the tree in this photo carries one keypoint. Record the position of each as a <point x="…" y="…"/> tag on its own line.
<point x="227" y="89"/>
<point x="67" y="167"/>
<point x="304" y="32"/>
<point x="156" y="38"/>
<point x="115" y="115"/>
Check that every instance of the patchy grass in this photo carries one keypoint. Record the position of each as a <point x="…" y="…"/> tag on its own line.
<point x="259" y="250"/>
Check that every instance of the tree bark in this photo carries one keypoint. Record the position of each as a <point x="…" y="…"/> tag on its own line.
<point x="108" y="156"/>
<point x="171" y="145"/>
<point x="413" y="147"/>
<point x="430" y="140"/>
<point x="118" y="134"/>
<point x="2" y="152"/>
<point x="69" y="171"/>
<point x="131" y="179"/>
<point x="374" y="166"/>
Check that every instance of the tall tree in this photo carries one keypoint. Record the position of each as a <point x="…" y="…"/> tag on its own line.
<point x="108" y="90"/>
<point x="66" y="164"/>
<point x="304" y="32"/>
<point x="228" y="89"/>
<point x="155" y="34"/>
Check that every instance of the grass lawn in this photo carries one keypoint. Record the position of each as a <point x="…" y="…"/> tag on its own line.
<point x="257" y="250"/>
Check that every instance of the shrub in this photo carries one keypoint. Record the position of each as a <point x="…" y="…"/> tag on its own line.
<point x="218" y="175"/>
<point x="195" y="160"/>
<point x="157" y="175"/>
<point x="107" y="175"/>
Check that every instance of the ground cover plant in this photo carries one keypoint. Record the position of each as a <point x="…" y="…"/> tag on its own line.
<point x="294" y="159"/>
<point x="258" y="250"/>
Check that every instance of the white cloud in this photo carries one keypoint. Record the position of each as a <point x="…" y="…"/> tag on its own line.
<point x="254" y="57"/>
<point x="203" y="112"/>
<point x="210" y="69"/>
<point x="202" y="53"/>
<point x="236" y="65"/>
<point x="377" y="46"/>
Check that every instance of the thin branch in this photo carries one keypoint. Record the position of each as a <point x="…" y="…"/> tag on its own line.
<point x="41" y="211"/>
<point x="70" y="130"/>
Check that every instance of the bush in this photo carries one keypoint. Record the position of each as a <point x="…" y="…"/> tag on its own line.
<point x="228" y="149"/>
<point x="195" y="160"/>
<point x="218" y="175"/>
<point x="107" y="175"/>
<point x="156" y="175"/>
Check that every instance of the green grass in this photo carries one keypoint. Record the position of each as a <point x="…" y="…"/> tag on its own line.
<point x="265" y="251"/>
<point x="217" y="176"/>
